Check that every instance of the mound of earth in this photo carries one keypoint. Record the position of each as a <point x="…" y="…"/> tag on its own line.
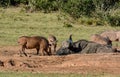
<point x="10" y="60"/>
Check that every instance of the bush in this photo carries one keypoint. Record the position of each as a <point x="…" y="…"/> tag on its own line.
<point x="44" y="5"/>
<point x="77" y="8"/>
<point x="6" y="3"/>
<point x="90" y="21"/>
<point x="99" y="9"/>
<point x="114" y="20"/>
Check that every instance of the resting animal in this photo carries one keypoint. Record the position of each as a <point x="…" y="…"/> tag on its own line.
<point x="101" y="40"/>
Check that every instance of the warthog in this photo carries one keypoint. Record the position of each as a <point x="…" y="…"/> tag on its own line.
<point x="110" y="34"/>
<point x="38" y="42"/>
<point x="101" y="40"/>
<point x="52" y="43"/>
<point x="118" y="36"/>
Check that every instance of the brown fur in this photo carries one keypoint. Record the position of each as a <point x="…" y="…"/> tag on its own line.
<point x="110" y="34"/>
<point x="52" y="43"/>
<point x="38" y="42"/>
<point x="101" y="40"/>
<point x="118" y="36"/>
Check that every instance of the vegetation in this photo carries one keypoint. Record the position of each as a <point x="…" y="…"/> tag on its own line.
<point x="25" y="74"/>
<point x="82" y="18"/>
<point x="107" y="11"/>
<point x="15" y="23"/>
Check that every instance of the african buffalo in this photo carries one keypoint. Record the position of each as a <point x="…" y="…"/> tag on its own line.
<point x="66" y="47"/>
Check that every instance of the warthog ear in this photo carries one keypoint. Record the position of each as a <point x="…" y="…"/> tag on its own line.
<point x="49" y="44"/>
<point x="51" y="40"/>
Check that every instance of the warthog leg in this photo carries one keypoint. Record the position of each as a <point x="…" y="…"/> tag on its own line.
<point x="20" y="52"/>
<point x="37" y="50"/>
<point x="48" y="52"/>
<point x="44" y="52"/>
<point x="55" y="48"/>
<point x="23" y="50"/>
<point x="41" y="52"/>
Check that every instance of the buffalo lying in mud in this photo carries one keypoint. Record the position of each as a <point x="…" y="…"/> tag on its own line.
<point x="84" y="46"/>
<point x="65" y="47"/>
<point x="38" y="42"/>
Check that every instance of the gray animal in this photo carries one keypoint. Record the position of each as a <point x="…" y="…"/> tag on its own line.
<point x="68" y="43"/>
<point x="101" y="40"/>
<point x="84" y="46"/>
<point x="38" y="42"/>
<point x="52" y="43"/>
<point x="64" y="51"/>
<point x="66" y="47"/>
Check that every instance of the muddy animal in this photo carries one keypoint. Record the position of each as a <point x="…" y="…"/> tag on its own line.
<point x="101" y="40"/>
<point x="67" y="43"/>
<point x="66" y="47"/>
<point x="110" y="34"/>
<point x="84" y="46"/>
<point x="52" y="43"/>
<point x="38" y="42"/>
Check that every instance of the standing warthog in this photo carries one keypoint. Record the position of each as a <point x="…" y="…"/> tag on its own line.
<point x="100" y="40"/>
<point x="52" y="43"/>
<point x="38" y="42"/>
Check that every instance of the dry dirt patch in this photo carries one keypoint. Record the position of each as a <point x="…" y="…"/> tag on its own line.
<point x="75" y="63"/>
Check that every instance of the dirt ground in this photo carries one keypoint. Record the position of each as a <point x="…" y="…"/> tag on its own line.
<point x="10" y="60"/>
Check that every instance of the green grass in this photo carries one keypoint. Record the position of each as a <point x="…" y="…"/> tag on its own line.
<point x="14" y="23"/>
<point x="25" y="74"/>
